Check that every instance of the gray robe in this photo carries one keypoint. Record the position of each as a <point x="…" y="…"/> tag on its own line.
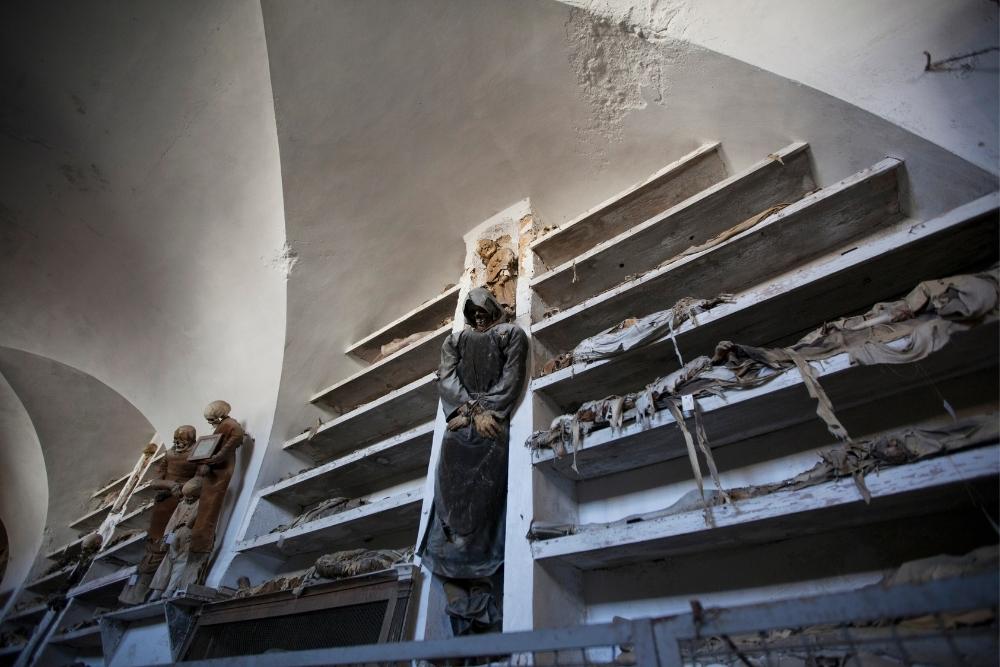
<point x="465" y="536"/>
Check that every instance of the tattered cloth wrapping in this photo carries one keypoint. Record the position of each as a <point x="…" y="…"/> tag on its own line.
<point x="321" y="510"/>
<point x="927" y="318"/>
<point x="634" y="333"/>
<point x="853" y="459"/>
<point x="337" y="565"/>
<point x="180" y="567"/>
<point x="358" y="561"/>
<point x="479" y="370"/>
<point x="173" y="467"/>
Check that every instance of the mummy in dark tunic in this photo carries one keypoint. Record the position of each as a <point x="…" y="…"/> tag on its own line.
<point x="481" y="375"/>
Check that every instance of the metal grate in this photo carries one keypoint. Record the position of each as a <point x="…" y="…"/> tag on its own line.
<point x="946" y="622"/>
<point x="326" y="628"/>
<point x="936" y="639"/>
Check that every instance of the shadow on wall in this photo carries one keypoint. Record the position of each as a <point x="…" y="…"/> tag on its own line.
<point x="4" y="553"/>
<point x="87" y="433"/>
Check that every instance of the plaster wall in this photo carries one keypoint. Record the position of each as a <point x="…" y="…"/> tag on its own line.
<point x="24" y="496"/>
<point x="141" y="221"/>
<point x="403" y="125"/>
<point x="73" y="414"/>
<point x="867" y="53"/>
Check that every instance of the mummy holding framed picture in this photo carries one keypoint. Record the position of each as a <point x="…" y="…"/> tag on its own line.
<point x="205" y="447"/>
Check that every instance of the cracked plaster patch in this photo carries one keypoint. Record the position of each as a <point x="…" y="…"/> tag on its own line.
<point x="621" y="63"/>
<point x="284" y="260"/>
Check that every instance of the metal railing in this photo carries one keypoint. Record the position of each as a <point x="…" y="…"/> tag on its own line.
<point x="946" y="622"/>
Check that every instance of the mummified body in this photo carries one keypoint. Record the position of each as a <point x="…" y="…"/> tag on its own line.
<point x="174" y="471"/>
<point x="481" y="375"/>
<point x="216" y="472"/>
<point x="180" y="567"/>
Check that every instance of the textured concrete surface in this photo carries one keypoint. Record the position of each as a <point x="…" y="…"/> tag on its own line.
<point x="141" y="222"/>
<point x="24" y="488"/>
<point x="403" y="125"/>
<point x="869" y="54"/>
<point x="149" y="229"/>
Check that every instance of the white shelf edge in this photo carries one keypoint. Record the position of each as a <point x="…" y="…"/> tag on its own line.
<point x="905" y="232"/>
<point x="101" y="582"/>
<point x="379" y="365"/>
<point x="362" y="409"/>
<point x="675" y="166"/>
<point x="426" y="305"/>
<point x="111" y="551"/>
<point x="397" y="440"/>
<point x="785" y="379"/>
<point x="883" y="166"/>
<point x="961" y="466"/>
<point x="786" y="152"/>
<point x="387" y="504"/>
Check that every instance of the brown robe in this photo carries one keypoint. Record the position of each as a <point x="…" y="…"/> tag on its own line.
<point x="174" y="467"/>
<point x="215" y="484"/>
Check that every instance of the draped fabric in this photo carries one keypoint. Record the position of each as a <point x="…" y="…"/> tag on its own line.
<point x="480" y="370"/>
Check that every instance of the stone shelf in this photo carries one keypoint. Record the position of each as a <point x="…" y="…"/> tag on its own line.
<point x="137" y="518"/>
<point x="693" y="221"/>
<point x="844" y="281"/>
<point x="51" y="582"/>
<point x="781" y="403"/>
<point x="29" y="615"/>
<point x="124" y="478"/>
<point x="829" y="218"/>
<point x="696" y="171"/>
<point x="129" y="551"/>
<point x="154" y="609"/>
<point x="389" y="415"/>
<point x="348" y="530"/>
<point x="143" y="493"/>
<point x="110" y="487"/>
<point x="425" y="317"/>
<point x="102" y="591"/>
<point x="397" y="459"/>
<point x="151" y="468"/>
<point x="88" y="637"/>
<point x="67" y="550"/>
<point x="8" y="651"/>
<point x="386" y="375"/>
<point x="909" y="490"/>
<point x="92" y="520"/>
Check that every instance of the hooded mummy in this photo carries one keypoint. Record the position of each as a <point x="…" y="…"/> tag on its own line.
<point x="481" y="369"/>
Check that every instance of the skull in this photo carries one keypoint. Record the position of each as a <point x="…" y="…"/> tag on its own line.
<point x="216" y="411"/>
<point x="192" y="488"/>
<point x="184" y="437"/>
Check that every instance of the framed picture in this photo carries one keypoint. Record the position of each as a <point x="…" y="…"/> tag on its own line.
<point x="204" y="447"/>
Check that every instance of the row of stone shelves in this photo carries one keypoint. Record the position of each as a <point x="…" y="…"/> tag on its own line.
<point x="376" y="450"/>
<point x="783" y="178"/>
<point x="392" y="413"/>
<point x="850" y="278"/>
<point x="394" y="517"/>
<point x="684" y="178"/>
<point x="811" y="226"/>
<point x="818" y="255"/>
<point x="901" y="491"/>
<point x="740" y="414"/>
<point x="63" y="631"/>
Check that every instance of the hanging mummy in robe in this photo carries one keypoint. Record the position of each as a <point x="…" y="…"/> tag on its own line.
<point x="480" y="379"/>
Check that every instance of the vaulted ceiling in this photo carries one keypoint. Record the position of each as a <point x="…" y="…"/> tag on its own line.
<point x="211" y="200"/>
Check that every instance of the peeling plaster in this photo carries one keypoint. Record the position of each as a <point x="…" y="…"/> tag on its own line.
<point x="284" y="260"/>
<point x="619" y="71"/>
<point x="870" y="54"/>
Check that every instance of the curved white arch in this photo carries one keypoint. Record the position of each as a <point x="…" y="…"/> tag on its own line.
<point x="24" y="488"/>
